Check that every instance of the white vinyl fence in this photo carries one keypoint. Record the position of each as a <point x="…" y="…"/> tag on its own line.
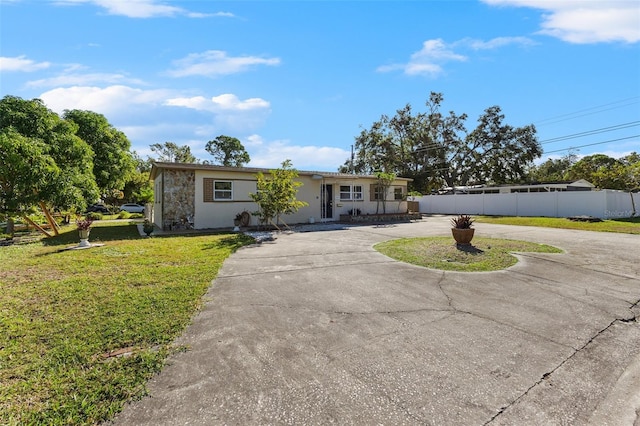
<point x="605" y="204"/>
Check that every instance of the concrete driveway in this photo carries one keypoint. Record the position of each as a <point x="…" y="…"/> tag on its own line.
<point x="319" y="328"/>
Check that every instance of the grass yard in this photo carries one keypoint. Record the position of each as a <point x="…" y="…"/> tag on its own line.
<point x="63" y="313"/>
<point x="485" y="254"/>
<point x="626" y="226"/>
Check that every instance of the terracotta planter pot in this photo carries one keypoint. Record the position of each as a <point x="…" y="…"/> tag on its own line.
<point x="462" y="236"/>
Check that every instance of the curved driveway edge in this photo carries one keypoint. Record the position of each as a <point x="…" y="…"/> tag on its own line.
<point x="319" y="328"/>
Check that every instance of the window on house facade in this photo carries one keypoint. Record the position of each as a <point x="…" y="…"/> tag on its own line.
<point x="222" y="190"/>
<point x="217" y="190"/>
<point x="398" y="193"/>
<point x="350" y="192"/>
<point x="376" y="192"/>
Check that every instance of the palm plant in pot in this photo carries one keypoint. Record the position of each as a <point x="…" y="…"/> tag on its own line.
<point x="462" y="229"/>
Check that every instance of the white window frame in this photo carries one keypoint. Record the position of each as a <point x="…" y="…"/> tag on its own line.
<point x="217" y="193"/>
<point x="354" y="193"/>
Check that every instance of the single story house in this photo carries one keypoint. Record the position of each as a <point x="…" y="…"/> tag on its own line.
<point x="578" y="185"/>
<point x="205" y="196"/>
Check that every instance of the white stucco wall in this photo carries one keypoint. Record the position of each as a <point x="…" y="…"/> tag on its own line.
<point x="220" y="214"/>
<point x="605" y="204"/>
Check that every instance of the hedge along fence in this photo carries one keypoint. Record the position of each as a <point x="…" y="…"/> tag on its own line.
<point x="604" y="204"/>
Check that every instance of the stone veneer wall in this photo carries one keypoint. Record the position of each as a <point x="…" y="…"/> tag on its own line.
<point x="179" y="197"/>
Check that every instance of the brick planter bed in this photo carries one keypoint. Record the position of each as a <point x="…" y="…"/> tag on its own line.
<point x="380" y="218"/>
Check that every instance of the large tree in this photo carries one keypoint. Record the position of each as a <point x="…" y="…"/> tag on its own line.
<point x="171" y="152"/>
<point x="113" y="161"/>
<point x="138" y="187"/>
<point x="608" y="173"/>
<point x="63" y="160"/>
<point x="554" y="169"/>
<point x="228" y="151"/>
<point x="495" y="152"/>
<point x="26" y="173"/>
<point x="435" y="149"/>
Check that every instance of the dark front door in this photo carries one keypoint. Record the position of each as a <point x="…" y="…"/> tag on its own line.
<point x="327" y="201"/>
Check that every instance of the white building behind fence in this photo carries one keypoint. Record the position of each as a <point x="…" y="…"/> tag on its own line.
<point x="604" y="204"/>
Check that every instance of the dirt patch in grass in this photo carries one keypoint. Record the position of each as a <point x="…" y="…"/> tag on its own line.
<point x="484" y="254"/>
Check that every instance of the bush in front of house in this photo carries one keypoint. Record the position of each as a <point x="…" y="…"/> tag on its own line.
<point x="94" y="216"/>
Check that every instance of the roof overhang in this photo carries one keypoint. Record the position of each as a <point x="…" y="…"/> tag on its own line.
<point x="315" y="175"/>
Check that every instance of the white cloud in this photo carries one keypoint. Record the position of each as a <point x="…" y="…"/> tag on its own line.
<point x="21" y="64"/>
<point x="109" y="100"/>
<point x="229" y="112"/>
<point x="430" y="60"/>
<point x="210" y="15"/>
<point x="585" y="21"/>
<point x="427" y="61"/>
<point x="496" y="43"/>
<point x="141" y="8"/>
<point x="270" y="154"/>
<point x="214" y="63"/>
<point x="69" y="79"/>
<point x="223" y="103"/>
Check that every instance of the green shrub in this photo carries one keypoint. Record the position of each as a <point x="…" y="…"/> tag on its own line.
<point x="124" y="215"/>
<point x="136" y="216"/>
<point x="94" y="216"/>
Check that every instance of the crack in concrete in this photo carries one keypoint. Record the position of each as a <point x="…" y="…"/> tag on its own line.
<point x="353" y="313"/>
<point x="477" y="315"/>
<point x="561" y="364"/>
<point x="439" y="284"/>
<point x="631" y="308"/>
<point x="575" y="265"/>
<point x="364" y="250"/>
<point x="551" y="289"/>
<point x="311" y="268"/>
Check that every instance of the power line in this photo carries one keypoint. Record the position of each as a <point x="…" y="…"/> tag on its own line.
<point x="592" y="132"/>
<point x="588" y="111"/>
<point x="592" y="144"/>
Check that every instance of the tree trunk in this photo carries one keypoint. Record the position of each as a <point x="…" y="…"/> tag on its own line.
<point x="11" y="227"/>
<point x="52" y="223"/>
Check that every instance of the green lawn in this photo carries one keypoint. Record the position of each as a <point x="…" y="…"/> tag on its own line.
<point x="484" y="254"/>
<point x="627" y="226"/>
<point x="63" y="311"/>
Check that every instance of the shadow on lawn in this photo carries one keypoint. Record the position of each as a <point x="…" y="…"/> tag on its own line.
<point x="468" y="248"/>
<point x="232" y="241"/>
<point x="628" y="220"/>
<point x="98" y="234"/>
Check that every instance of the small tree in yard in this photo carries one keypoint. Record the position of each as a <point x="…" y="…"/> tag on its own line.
<point x="384" y="181"/>
<point x="276" y="194"/>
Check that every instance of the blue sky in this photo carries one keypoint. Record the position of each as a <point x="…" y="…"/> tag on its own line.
<point x="299" y="79"/>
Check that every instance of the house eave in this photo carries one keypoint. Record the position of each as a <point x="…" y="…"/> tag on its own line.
<point x="158" y="166"/>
